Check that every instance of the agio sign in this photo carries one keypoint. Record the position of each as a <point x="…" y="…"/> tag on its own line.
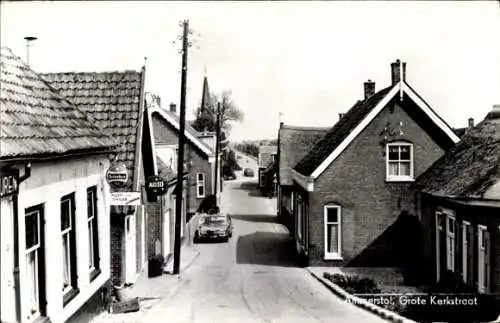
<point x="156" y="185"/>
<point x="9" y="184"/>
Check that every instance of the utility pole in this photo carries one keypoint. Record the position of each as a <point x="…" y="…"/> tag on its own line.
<point x="217" y="139"/>
<point x="180" y="157"/>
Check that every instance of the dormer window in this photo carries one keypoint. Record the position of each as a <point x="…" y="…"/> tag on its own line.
<point x="399" y="161"/>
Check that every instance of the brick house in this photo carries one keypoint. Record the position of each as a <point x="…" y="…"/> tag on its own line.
<point x="199" y="155"/>
<point x="115" y="100"/>
<point x="458" y="204"/>
<point x="54" y="205"/>
<point x="355" y="182"/>
<point x="293" y="144"/>
<point x="267" y="169"/>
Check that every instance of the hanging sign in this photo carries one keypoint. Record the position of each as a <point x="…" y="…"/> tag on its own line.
<point x="117" y="175"/>
<point x="9" y="184"/>
<point x="156" y="185"/>
<point x="126" y="198"/>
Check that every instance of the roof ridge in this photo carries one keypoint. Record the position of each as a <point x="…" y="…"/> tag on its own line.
<point x="311" y="128"/>
<point x="94" y="72"/>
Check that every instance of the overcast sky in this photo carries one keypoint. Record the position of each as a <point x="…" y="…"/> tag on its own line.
<point x="307" y="60"/>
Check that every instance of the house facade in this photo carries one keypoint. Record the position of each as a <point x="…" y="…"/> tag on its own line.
<point x="294" y="143"/>
<point x="55" y="201"/>
<point x="458" y="204"/>
<point x="115" y="101"/>
<point x="353" y="184"/>
<point x="267" y="162"/>
<point x="199" y="155"/>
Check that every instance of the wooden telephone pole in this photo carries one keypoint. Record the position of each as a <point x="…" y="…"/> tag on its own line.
<point x="180" y="157"/>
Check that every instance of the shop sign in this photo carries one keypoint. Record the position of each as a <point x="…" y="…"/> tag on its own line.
<point x="9" y="184"/>
<point x="117" y="175"/>
<point x="156" y="185"/>
<point x="126" y="198"/>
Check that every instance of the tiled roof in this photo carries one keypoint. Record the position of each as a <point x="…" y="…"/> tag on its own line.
<point x="338" y="133"/>
<point x="268" y="149"/>
<point x="468" y="169"/>
<point x="266" y="155"/>
<point x="113" y="101"/>
<point x="37" y="121"/>
<point x="294" y="144"/>
<point x="164" y="171"/>
<point x="189" y="130"/>
<point x="460" y="131"/>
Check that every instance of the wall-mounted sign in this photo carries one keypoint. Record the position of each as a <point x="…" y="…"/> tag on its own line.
<point x="9" y="184"/>
<point x="117" y="175"/>
<point x="156" y="185"/>
<point x="126" y="198"/>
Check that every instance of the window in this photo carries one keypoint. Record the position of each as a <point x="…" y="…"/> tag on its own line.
<point x="200" y="185"/>
<point x="399" y="162"/>
<point x="93" y="232"/>
<point x="69" y="272"/>
<point x="262" y="179"/>
<point x="299" y="218"/>
<point x="34" y="260"/>
<point x="450" y="242"/>
<point x="332" y="218"/>
<point x="291" y="202"/>
<point x="483" y="259"/>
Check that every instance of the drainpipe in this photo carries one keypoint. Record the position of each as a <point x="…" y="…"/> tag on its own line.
<point x="15" y="205"/>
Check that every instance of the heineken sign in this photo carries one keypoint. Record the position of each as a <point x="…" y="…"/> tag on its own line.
<point x="117" y="175"/>
<point x="156" y="185"/>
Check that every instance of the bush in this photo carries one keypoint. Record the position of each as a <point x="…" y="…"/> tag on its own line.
<point x="353" y="284"/>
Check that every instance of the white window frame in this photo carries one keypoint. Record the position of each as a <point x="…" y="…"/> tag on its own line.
<point x="481" y="280"/>
<point x="262" y="178"/>
<point x="176" y="154"/>
<point x="450" y="242"/>
<point x="92" y="223"/>
<point x="291" y="202"/>
<point x="332" y="255"/>
<point x="399" y="178"/>
<point x="33" y="281"/>
<point x="200" y="183"/>
<point x="66" y="234"/>
<point x="465" y="249"/>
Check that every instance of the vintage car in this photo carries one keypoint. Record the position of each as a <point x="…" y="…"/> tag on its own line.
<point x="248" y="172"/>
<point x="214" y="226"/>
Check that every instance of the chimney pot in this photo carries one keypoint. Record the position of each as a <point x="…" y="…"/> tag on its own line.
<point x="396" y="72"/>
<point x="173" y="107"/>
<point x="471" y="122"/>
<point x="369" y="87"/>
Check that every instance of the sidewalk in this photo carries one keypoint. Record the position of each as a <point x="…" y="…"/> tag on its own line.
<point x="150" y="291"/>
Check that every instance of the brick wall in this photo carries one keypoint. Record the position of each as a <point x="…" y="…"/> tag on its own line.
<point x="357" y="182"/>
<point x="165" y="134"/>
<point x="117" y="256"/>
<point x="154" y="226"/>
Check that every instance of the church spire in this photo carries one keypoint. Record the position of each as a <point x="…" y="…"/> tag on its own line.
<point x="205" y="95"/>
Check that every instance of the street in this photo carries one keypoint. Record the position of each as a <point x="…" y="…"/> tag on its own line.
<point x="254" y="276"/>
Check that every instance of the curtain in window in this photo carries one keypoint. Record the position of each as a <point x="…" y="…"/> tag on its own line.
<point x="66" y="261"/>
<point x="404" y="169"/>
<point x="393" y="168"/>
<point x="333" y="238"/>
<point x="32" y="273"/>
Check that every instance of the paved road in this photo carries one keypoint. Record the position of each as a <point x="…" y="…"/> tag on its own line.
<point x="253" y="277"/>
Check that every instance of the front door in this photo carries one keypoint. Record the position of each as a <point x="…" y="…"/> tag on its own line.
<point x="130" y="249"/>
<point x="165" y="232"/>
<point x="441" y="252"/>
<point x="34" y="256"/>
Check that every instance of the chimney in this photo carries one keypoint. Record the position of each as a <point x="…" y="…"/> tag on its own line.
<point x="471" y="122"/>
<point x="341" y="115"/>
<point x="369" y="88"/>
<point x="396" y="71"/>
<point x="173" y="108"/>
<point x="494" y="113"/>
<point x="28" y="39"/>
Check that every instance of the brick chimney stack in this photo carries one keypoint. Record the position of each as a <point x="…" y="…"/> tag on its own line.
<point x="396" y="71"/>
<point x="369" y="88"/>
<point x="471" y="122"/>
<point x="173" y="108"/>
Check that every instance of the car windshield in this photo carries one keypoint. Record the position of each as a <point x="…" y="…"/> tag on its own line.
<point x="215" y="220"/>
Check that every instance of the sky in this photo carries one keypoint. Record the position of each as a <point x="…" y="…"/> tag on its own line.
<point x="302" y="63"/>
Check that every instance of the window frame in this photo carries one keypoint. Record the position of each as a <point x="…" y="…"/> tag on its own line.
<point x="70" y="291"/>
<point x="37" y="250"/>
<point x="200" y="183"/>
<point x="332" y="255"/>
<point x="465" y="248"/>
<point x="451" y="241"/>
<point x="93" y="227"/>
<point x="399" y="178"/>
<point x="299" y="209"/>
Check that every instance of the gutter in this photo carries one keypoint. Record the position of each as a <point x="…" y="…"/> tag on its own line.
<point x="55" y="156"/>
<point x="138" y="142"/>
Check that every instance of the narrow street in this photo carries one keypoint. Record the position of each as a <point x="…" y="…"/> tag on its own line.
<point x="253" y="277"/>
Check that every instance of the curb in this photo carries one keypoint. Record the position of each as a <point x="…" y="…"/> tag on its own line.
<point x="362" y="303"/>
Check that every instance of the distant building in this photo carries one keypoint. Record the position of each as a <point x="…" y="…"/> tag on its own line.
<point x="267" y="162"/>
